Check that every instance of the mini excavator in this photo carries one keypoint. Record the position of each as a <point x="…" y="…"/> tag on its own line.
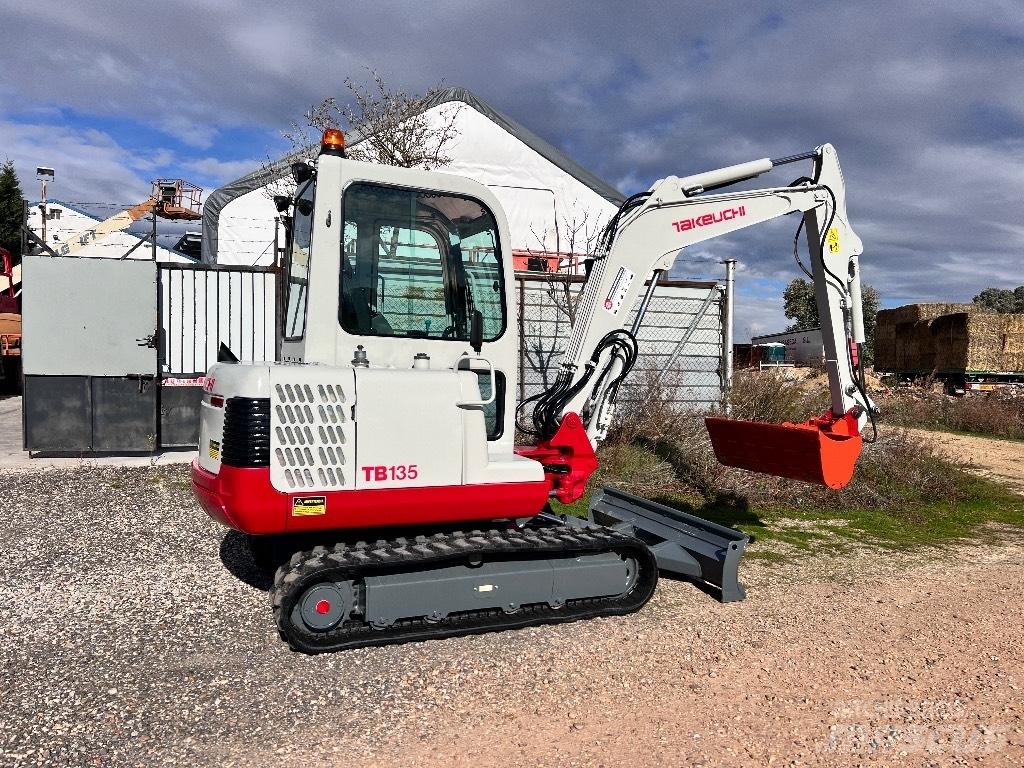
<point x="377" y="459"/>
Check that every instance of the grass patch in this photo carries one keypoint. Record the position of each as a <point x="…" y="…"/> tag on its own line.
<point x="935" y="523"/>
<point x="780" y="532"/>
<point x="903" y="493"/>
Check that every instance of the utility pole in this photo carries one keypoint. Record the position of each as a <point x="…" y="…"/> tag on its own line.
<point x="727" y="342"/>
<point x="24" y="227"/>
<point x="43" y="175"/>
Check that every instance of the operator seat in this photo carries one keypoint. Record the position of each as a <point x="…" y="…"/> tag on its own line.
<point x="357" y="314"/>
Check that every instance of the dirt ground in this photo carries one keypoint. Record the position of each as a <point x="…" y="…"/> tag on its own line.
<point x="1000" y="460"/>
<point x="138" y="633"/>
<point x="918" y="668"/>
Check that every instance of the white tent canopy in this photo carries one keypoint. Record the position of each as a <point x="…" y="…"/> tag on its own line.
<point x="545" y="194"/>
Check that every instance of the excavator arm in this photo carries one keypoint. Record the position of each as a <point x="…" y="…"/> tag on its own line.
<point x="644" y="239"/>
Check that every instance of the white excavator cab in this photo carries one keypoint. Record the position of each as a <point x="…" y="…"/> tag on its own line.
<point x="404" y="262"/>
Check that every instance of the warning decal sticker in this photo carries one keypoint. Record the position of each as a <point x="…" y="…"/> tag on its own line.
<point x="214" y="450"/>
<point x="617" y="292"/>
<point x="309" y="505"/>
<point x="833" y="239"/>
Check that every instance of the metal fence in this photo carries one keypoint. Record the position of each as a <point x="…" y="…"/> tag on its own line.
<point x="681" y="340"/>
<point x="201" y="306"/>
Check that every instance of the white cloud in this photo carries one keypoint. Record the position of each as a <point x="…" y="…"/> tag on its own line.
<point x="188" y="131"/>
<point x="924" y="101"/>
<point x="220" y="171"/>
<point x="90" y="166"/>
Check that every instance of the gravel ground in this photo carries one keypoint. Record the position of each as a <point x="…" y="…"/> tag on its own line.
<point x="137" y="633"/>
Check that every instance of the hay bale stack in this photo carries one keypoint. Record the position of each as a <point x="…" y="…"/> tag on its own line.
<point x="914" y="313"/>
<point x="885" y="343"/>
<point x="972" y="341"/>
<point x="952" y="338"/>
<point x="1013" y="349"/>
<point x="903" y="340"/>
<point x="948" y="337"/>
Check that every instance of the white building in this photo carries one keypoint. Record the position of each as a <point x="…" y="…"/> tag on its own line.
<point x="546" y="195"/>
<point x="65" y="223"/>
<point x="802" y="347"/>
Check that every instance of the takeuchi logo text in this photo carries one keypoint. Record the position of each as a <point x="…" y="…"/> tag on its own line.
<point x="726" y="214"/>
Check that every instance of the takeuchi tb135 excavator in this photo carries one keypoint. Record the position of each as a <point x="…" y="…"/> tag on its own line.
<point x="376" y="461"/>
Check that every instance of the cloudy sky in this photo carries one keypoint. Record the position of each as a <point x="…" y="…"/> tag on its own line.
<point x="924" y="101"/>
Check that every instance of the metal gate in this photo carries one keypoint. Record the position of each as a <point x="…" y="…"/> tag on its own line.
<point x="89" y="355"/>
<point x="115" y="351"/>
<point x="199" y="308"/>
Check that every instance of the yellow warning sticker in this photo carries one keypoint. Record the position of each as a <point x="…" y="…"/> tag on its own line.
<point x="309" y="505"/>
<point x="214" y="450"/>
<point x="833" y="239"/>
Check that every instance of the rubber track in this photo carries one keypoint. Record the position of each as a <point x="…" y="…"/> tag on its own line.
<point x="349" y="563"/>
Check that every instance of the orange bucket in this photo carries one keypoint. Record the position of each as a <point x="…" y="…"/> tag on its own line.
<point x="822" y="451"/>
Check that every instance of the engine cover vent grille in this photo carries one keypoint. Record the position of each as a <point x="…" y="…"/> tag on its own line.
<point x="311" y="430"/>
<point x="246" y="440"/>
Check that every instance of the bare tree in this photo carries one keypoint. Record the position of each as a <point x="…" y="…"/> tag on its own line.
<point x="395" y="127"/>
<point x="383" y="125"/>
<point x="539" y="354"/>
<point x="575" y="239"/>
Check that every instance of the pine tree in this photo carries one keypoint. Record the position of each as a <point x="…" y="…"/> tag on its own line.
<point x="11" y="210"/>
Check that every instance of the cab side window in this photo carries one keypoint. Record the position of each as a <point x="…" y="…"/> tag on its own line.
<point x="297" y="281"/>
<point x="418" y="264"/>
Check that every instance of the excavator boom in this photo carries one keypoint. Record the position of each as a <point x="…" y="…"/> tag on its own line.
<point x="644" y="239"/>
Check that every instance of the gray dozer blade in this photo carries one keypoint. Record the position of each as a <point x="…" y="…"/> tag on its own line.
<point x="684" y="545"/>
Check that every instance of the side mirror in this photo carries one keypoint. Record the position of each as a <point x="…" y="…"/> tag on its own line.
<point x="301" y="172"/>
<point x="476" y="331"/>
<point x="282" y="203"/>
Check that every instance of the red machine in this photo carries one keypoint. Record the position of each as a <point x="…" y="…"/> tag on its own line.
<point x="10" y="319"/>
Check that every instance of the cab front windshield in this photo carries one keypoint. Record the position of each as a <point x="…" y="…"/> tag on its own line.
<point x="419" y="264"/>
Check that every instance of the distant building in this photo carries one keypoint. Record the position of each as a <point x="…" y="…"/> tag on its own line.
<point x="803" y="347"/>
<point x="65" y="222"/>
<point x="554" y="206"/>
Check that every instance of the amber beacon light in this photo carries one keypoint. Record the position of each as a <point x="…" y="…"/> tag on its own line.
<point x="333" y="142"/>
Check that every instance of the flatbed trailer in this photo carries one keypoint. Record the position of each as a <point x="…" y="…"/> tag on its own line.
<point x="963" y="382"/>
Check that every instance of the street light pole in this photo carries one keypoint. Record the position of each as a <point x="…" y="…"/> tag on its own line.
<point x="43" y="175"/>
